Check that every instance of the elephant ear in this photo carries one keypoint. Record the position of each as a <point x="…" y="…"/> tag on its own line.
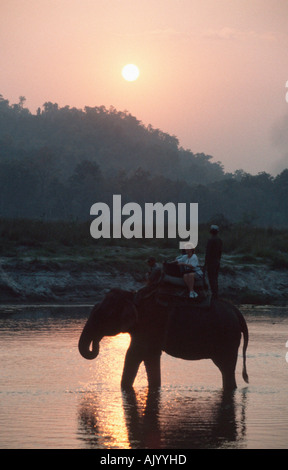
<point x="129" y="316"/>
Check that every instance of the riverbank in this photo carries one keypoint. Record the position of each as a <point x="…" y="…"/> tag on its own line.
<point x="69" y="277"/>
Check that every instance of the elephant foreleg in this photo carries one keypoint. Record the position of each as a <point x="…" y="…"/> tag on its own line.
<point x="153" y="369"/>
<point x="131" y="366"/>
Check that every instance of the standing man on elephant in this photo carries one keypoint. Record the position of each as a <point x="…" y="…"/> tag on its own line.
<point x="212" y="259"/>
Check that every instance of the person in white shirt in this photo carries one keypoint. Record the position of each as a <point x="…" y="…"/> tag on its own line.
<point x="191" y="269"/>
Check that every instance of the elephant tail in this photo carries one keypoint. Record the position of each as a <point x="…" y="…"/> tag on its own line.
<point x="244" y="330"/>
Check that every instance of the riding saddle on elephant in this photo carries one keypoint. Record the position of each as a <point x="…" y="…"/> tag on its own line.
<point x="170" y="287"/>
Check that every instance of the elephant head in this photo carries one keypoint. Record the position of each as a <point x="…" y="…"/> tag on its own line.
<point x="115" y="314"/>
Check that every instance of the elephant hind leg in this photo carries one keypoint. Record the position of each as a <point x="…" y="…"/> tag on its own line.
<point x="153" y="370"/>
<point x="227" y="368"/>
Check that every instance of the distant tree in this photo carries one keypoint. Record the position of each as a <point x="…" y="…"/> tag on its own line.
<point x="85" y="188"/>
<point x="62" y="160"/>
<point x="238" y="175"/>
<point x="22" y="100"/>
<point x="4" y="104"/>
<point x="50" y="107"/>
<point x="280" y="192"/>
<point x="19" y="190"/>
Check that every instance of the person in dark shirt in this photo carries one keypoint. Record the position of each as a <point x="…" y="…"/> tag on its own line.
<point x="154" y="274"/>
<point x="212" y="259"/>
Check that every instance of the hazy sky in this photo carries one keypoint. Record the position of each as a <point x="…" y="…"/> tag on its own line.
<point x="212" y="72"/>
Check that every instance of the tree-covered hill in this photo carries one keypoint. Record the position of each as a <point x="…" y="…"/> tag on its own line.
<point x="56" y="163"/>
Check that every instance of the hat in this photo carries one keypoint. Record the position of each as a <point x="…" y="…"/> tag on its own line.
<point x="188" y="246"/>
<point x="215" y="228"/>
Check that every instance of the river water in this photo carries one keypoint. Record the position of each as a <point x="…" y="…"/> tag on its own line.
<point x="52" y="398"/>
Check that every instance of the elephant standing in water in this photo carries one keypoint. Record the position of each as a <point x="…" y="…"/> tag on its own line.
<point x="187" y="332"/>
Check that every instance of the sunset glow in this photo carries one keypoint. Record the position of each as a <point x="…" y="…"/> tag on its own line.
<point x="214" y="74"/>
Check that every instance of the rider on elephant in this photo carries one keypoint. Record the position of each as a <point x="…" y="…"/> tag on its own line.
<point x="190" y="267"/>
<point x="154" y="274"/>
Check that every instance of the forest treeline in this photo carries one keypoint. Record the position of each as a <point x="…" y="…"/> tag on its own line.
<point x="56" y="163"/>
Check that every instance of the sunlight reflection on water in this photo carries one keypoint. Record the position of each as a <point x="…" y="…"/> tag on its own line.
<point x="52" y="398"/>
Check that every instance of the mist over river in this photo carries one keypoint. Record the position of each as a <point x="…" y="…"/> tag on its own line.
<point x="52" y="398"/>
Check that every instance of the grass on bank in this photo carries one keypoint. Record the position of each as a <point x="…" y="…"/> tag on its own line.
<point x="71" y="240"/>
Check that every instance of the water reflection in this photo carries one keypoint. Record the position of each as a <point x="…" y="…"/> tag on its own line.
<point x="88" y="427"/>
<point x="101" y="422"/>
<point x="143" y="429"/>
<point x="163" y="419"/>
<point x="52" y="397"/>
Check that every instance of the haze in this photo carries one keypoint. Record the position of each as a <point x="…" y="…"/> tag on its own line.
<point x="213" y="72"/>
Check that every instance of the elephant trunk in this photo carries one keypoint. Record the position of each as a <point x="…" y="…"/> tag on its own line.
<point x="85" y="341"/>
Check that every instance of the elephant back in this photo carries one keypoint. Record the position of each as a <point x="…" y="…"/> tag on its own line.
<point x="191" y="333"/>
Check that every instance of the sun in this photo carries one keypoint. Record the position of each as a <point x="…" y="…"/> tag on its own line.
<point x="130" y="72"/>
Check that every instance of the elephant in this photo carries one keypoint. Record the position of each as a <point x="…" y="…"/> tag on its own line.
<point x="183" y="331"/>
